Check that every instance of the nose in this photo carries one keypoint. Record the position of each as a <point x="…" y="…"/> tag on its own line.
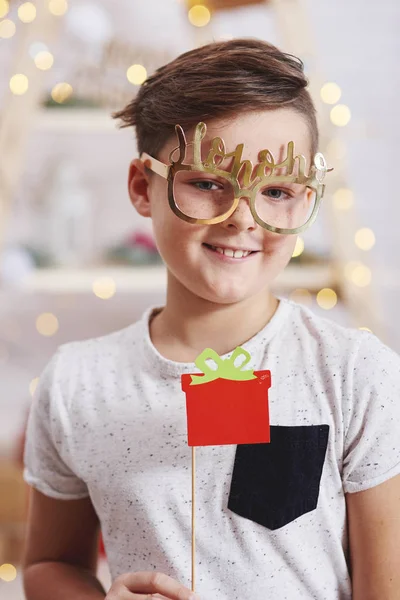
<point x="241" y="219"/>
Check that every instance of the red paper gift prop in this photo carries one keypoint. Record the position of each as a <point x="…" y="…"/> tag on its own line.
<point x="227" y="411"/>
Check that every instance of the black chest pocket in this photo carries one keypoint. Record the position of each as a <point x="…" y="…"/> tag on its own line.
<point x="274" y="484"/>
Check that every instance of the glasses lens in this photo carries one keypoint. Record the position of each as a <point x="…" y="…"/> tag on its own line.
<point x="286" y="206"/>
<point x="202" y="195"/>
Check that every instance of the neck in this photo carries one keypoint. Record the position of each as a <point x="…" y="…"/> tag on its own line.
<point x="188" y="324"/>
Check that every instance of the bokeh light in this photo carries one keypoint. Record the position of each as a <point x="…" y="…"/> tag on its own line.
<point x="27" y="12"/>
<point x="33" y="385"/>
<point x="136" y="74"/>
<point x="4" y="8"/>
<point x="7" y="29"/>
<point x="8" y="572"/>
<point x="331" y="93"/>
<point x="365" y="239"/>
<point x="47" y="324"/>
<point x="19" y="84"/>
<point x="358" y="273"/>
<point x="199" y="15"/>
<point x="340" y="115"/>
<point x="44" y="60"/>
<point x="343" y="199"/>
<point x="61" y="92"/>
<point x="58" y="8"/>
<point x="104" y="288"/>
<point x="299" y="247"/>
<point x="327" y="298"/>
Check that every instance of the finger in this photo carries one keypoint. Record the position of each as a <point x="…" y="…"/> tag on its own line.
<point x="153" y="583"/>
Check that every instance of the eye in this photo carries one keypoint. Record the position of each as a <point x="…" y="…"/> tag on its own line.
<point x="276" y="194"/>
<point x="206" y="185"/>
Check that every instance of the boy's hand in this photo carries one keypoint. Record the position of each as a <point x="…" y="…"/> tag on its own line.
<point x="145" y="585"/>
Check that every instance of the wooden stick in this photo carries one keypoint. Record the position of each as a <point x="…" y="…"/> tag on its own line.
<point x="193" y="518"/>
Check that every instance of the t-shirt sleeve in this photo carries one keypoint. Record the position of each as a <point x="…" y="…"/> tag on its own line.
<point x="46" y="459"/>
<point x="372" y="417"/>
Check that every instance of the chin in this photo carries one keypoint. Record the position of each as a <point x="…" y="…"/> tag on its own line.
<point x="226" y="295"/>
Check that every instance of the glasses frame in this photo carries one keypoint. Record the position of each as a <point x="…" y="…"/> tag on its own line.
<point x="168" y="172"/>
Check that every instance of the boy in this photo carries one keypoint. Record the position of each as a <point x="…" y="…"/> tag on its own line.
<point x="314" y="513"/>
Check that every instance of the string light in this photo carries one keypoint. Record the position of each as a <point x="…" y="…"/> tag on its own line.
<point x="4" y="8"/>
<point x="104" y="288"/>
<point x="365" y="239"/>
<point x="302" y="296"/>
<point x="47" y="324"/>
<point x="58" y="8"/>
<point x="27" y="12"/>
<point x="343" y="199"/>
<point x="8" y="572"/>
<point x="327" y="298"/>
<point x="358" y="273"/>
<point x="33" y="385"/>
<point x="299" y="247"/>
<point x="331" y="93"/>
<point x="7" y="29"/>
<point x="340" y="115"/>
<point x="19" y="84"/>
<point x="44" y="60"/>
<point x="365" y="329"/>
<point x="136" y="74"/>
<point x="199" y="15"/>
<point x="61" y="92"/>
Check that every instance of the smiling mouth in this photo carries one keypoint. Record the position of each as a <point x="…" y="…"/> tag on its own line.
<point x="230" y="252"/>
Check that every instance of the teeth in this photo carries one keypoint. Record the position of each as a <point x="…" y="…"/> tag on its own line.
<point x="232" y="253"/>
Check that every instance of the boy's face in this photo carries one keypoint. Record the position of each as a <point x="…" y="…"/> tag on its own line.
<point x="189" y="250"/>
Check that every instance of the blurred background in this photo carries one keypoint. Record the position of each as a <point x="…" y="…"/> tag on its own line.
<point x="76" y="260"/>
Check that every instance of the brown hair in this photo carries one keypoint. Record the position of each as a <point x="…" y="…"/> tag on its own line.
<point x="217" y="80"/>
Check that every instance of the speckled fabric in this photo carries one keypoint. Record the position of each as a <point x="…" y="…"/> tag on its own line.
<point x="109" y="420"/>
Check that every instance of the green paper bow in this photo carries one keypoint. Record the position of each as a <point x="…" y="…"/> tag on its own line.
<point x="226" y="369"/>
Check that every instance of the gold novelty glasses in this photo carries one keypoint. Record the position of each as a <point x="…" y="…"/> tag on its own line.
<point x="282" y="198"/>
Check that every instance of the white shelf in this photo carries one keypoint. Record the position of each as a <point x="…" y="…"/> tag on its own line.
<point x="153" y="279"/>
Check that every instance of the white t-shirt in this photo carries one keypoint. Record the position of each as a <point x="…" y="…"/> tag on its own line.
<point x="109" y="420"/>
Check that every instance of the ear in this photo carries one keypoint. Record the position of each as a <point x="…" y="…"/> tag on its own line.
<point x="138" y="188"/>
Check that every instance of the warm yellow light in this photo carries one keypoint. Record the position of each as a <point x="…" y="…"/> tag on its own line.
<point x="343" y="199"/>
<point x="8" y="572"/>
<point x="33" y="385"/>
<point x="19" y="84"/>
<point x="58" y="7"/>
<point x="327" y="298"/>
<point x="4" y="8"/>
<point x="299" y="247"/>
<point x="47" y="324"/>
<point x="136" y="74"/>
<point x="7" y="29"/>
<point x="358" y="273"/>
<point x="61" y="92"/>
<point x="331" y="93"/>
<point x="44" y="60"/>
<point x="104" y="288"/>
<point x="27" y="12"/>
<point x="199" y="15"/>
<point x="365" y="329"/>
<point x="302" y="296"/>
<point x="365" y="238"/>
<point x="340" y="115"/>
